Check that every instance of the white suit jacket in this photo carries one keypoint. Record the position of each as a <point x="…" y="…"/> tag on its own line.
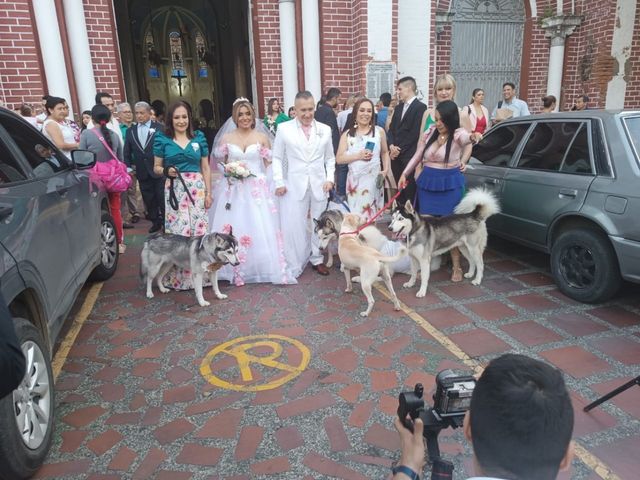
<point x="310" y="162"/>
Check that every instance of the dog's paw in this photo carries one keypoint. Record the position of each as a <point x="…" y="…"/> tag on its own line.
<point x="476" y="281"/>
<point x="149" y="295"/>
<point x="397" y="307"/>
<point x="421" y="293"/>
<point x="164" y="290"/>
<point x="408" y="284"/>
<point x="222" y="296"/>
<point x="364" y="314"/>
<point x="356" y="279"/>
<point x="468" y="275"/>
<point x="204" y="303"/>
<point x="348" y="290"/>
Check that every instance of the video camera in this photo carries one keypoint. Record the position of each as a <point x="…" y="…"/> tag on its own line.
<point x="450" y="403"/>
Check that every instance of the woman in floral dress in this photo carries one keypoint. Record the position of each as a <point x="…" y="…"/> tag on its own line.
<point x="362" y="147"/>
<point x="181" y="152"/>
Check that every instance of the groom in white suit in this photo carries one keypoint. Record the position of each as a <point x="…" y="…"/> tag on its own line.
<point x="305" y="146"/>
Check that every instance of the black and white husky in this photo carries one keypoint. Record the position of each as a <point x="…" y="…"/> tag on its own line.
<point x="429" y="236"/>
<point x="202" y="255"/>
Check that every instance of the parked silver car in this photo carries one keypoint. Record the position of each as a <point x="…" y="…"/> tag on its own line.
<point x="569" y="185"/>
<point x="55" y="232"/>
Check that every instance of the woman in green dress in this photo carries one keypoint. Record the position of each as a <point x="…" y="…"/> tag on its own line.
<point x="183" y="157"/>
<point x="274" y="116"/>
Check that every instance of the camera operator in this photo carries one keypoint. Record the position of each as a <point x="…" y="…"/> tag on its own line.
<point x="519" y="423"/>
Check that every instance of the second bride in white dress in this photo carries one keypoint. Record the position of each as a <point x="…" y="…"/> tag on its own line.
<point x="248" y="208"/>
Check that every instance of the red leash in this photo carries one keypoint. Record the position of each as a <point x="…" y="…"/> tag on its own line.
<point x="372" y="219"/>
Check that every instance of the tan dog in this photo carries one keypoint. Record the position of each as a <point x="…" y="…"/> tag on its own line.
<point x="369" y="261"/>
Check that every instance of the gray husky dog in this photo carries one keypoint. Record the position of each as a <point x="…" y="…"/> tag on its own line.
<point x="429" y="236"/>
<point x="202" y="255"/>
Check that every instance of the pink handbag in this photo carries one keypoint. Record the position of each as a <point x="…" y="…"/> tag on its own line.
<point x="112" y="175"/>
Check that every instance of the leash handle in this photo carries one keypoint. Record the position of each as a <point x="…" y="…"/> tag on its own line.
<point x="372" y="219"/>
<point x="173" y="199"/>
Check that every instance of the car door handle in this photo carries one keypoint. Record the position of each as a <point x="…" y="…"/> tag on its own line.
<point x="568" y="193"/>
<point x="5" y="211"/>
<point x="491" y="181"/>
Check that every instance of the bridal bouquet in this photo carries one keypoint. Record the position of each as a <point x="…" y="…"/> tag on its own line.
<point x="236" y="171"/>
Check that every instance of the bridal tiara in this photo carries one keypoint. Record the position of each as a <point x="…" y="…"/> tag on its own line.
<point x="241" y="99"/>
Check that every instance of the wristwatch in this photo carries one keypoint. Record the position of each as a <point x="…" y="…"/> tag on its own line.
<point x="407" y="471"/>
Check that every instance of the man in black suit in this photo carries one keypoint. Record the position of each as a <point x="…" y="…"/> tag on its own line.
<point x="404" y="132"/>
<point x="325" y="113"/>
<point x="138" y="154"/>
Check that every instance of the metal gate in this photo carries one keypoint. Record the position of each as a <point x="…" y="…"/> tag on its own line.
<point x="486" y="47"/>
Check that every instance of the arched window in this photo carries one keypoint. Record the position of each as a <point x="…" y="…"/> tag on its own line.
<point x="152" y="55"/>
<point x="201" y="49"/>
<point x="177" y="59"/>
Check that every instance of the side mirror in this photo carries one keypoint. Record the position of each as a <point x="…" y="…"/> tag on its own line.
<point x="83" y="159"/>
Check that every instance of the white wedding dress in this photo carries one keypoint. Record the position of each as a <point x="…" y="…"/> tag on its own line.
<point x="249" y="208"/>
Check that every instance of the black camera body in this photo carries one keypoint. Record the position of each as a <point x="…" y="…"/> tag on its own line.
<point x="450" y="403"/>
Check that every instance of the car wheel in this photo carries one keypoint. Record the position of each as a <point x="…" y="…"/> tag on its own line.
<point x="27" y="414"/>
<point x="584" y="266"/>
<point x="108" y="250"/>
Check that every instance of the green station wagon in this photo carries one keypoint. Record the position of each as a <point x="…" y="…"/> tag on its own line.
<point x="569" y="185"/>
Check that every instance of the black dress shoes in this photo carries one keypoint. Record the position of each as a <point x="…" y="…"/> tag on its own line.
<point x="156" y="227"/>
<point x="127" y="225"/>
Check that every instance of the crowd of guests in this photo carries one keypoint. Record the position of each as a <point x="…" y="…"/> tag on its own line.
<point x="396" y="142"/>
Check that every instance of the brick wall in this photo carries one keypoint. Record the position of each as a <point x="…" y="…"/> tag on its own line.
<point x="632" y="99"/>
<point x="21" y="77"/>
<point x="359" y="45"/>
<point x="105" y="55"/>
<point x="268" y="37"/>
<point x="588" y="61"/>
<point x="336" y="39"/>
<point x="535" y="61"/>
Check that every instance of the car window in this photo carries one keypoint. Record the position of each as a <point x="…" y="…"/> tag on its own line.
<point x="547" y="145"/>
<point x="499" y="145"/>
<point x="10" y="170"/>
<point x="42" y="157"/>
<point x="577" y="158"/>
<point x="633" y="127"/>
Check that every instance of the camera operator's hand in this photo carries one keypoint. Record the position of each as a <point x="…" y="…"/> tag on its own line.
<point x="412" y="446"/>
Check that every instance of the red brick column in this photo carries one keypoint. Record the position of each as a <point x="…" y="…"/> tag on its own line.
<point x="105" y="55"/>
<point x="21" y="71"/>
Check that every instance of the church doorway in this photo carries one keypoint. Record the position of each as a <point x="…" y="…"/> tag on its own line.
<point x="197" y="51"/>
<point x="486" y="48"/>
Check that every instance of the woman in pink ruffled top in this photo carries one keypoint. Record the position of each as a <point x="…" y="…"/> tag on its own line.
<point x="247" y="207"/>
<point x="443" y="151"/>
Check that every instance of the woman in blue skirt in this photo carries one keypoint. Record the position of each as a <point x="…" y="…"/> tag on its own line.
<point x="443" y="151"/>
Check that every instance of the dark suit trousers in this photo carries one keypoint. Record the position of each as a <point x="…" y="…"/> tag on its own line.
<point x="397" y="167"/>
<point x="152" y="190"/>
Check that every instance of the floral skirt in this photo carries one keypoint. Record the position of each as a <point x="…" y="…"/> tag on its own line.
<point x="189" y="221"/>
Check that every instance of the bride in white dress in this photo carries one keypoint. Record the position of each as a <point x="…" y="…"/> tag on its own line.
<point x="248" y="207"/>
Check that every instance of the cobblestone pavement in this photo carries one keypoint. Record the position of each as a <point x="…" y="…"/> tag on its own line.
<point x="132" y="402"/>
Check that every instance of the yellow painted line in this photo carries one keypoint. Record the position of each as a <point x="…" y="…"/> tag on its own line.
<point x="585" y="456"/>
<point x="239" y="349"/>
<point x="78" y="321"/>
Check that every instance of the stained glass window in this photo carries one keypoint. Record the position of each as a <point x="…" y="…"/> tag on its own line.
<point x="151" y="54"/>
<point x="177" y="60"/>
<point x="201" y="48"/>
